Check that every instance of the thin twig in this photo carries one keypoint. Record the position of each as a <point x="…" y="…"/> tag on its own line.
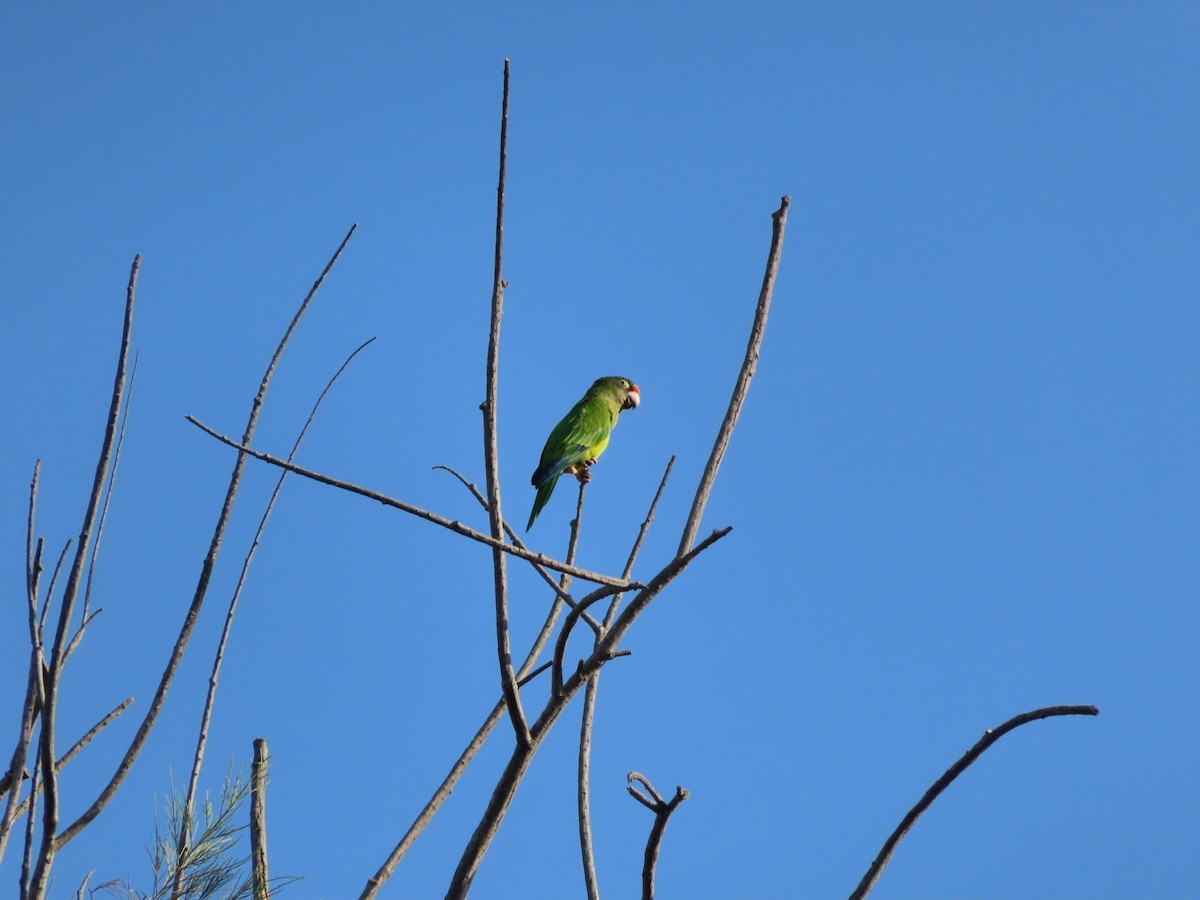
<point x="516" y="539"/>
<point x="87" y="615"/>
<point x="662" y="810"/>
<point x="33" y="683"/>
<point x="49" y="843"/>
<point x="27" y="855"/>
<point x="258" y="821"/>
<point x="219" y="656"/>
<point x="637" y="544"/>
<point x="33" y="555"/>
<point x="989" y="738"/>
<point x="58" y="567"/>
<point x="87" y="738"/>
<point x="210" y="559"/>
<point x="749" y="364"/>
<point x="455" y="526"/>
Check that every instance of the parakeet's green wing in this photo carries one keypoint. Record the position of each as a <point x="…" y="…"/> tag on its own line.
<point x="582" y="435"/>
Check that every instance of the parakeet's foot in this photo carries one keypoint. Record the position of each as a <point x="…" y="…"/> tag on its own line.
<point x="583" y="470"/>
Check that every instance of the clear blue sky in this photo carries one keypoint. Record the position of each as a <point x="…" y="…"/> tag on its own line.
<point x="965" y="484"/>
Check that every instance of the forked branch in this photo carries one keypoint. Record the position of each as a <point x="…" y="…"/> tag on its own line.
<point x="989" y="738"/>
<point x="662" y="810"/>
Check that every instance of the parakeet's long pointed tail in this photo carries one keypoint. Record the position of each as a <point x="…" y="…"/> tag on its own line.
<point x="543" y="494"/>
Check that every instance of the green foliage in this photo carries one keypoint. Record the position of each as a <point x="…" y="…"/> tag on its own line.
<point x="212" y="867"/>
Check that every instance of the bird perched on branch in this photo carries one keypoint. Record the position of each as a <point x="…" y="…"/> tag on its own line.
<point x="578" y="440"/>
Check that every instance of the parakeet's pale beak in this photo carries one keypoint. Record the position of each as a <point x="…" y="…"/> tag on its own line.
<point x="634" y="398"/>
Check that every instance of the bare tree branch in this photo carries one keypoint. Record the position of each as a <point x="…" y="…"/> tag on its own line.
<point x="491" y="452"/>
<point x="258" y="816"/>
<point x="45" y="857"/>
<point x="989" y="738"/>
<point x="662" y="810"/>
<point x="749" y="365"/>
<point x="87" y="615"/>
<point x="27" y="855"/>
<point x="560" y="645"/>
<point x="210" y="699"/>
<point x="87" y="738"/>
<point x="33" y="685"/>
<point x="58" y="566"/>
<point x="455" y="526"/>
<point x="583" y="805"/>
<point x="206" y="569"/>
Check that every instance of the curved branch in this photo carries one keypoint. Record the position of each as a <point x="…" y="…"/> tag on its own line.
<point x="560" y="645"/>
<point x="989" y="738"/>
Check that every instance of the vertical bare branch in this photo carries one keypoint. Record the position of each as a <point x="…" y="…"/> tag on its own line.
<point x="210" y="559"/>
<point x="591" y="881"/>
<point x="749" y="365"/>
<point x="508" y="677"/>
<point x="662" y="810"/>
<point x="588" y="719"/>
<point x="58" y="566"/>
<point x="41" y="872"/>
<point x="219" y="656"/>
<point x="258" y="821"/>
<point x="34" y="686"/>
<point x="989" y="738"/>
<point x="27" y="856"/>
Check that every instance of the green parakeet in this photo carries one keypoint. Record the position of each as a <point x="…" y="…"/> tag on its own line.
<point x="578" y="440"/>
